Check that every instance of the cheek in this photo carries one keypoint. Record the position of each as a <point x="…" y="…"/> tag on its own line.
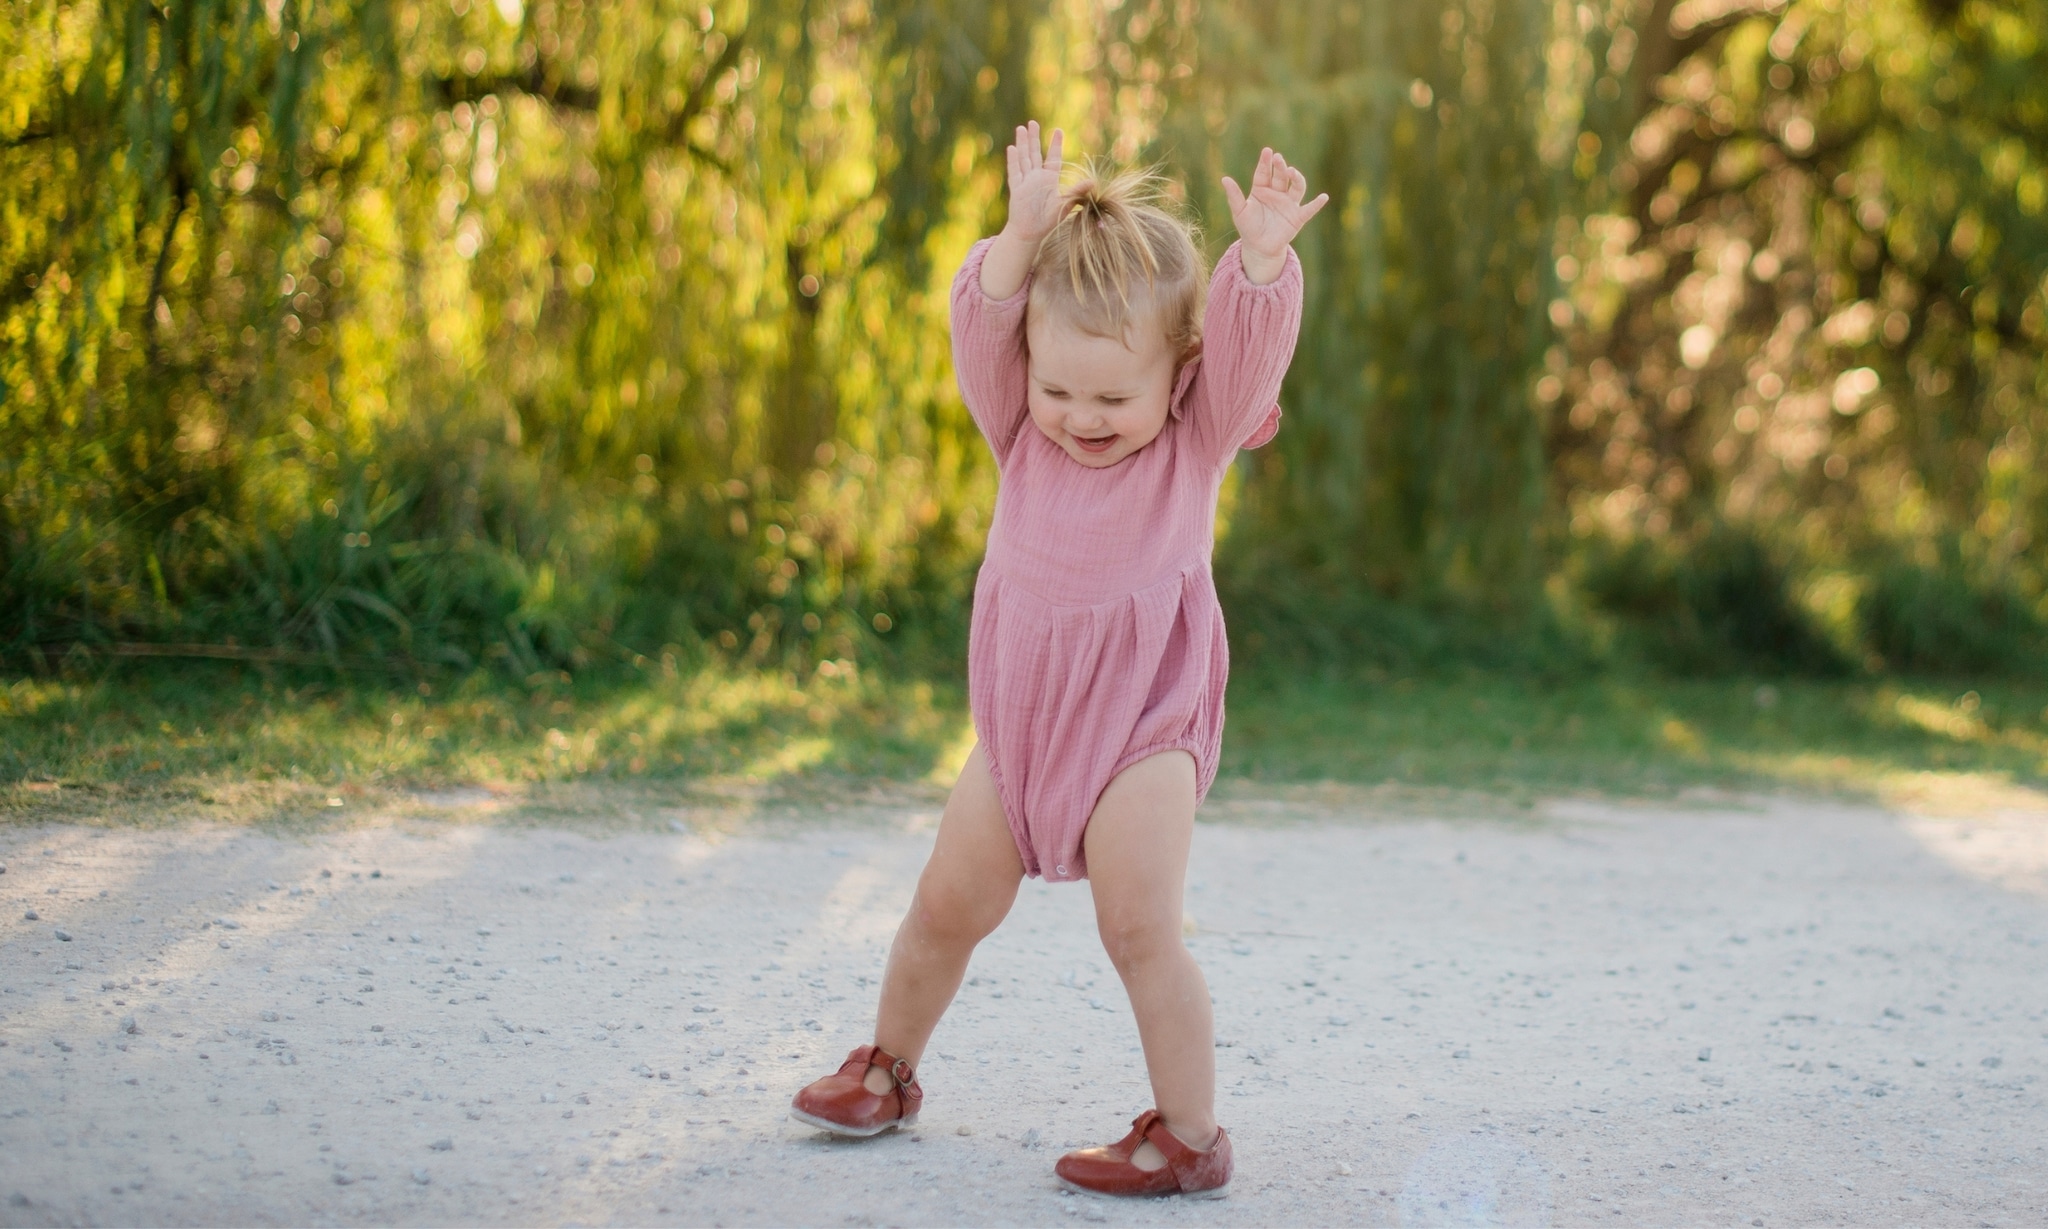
<point x="1142" y="424"/>
<point x="1044" y="410"/>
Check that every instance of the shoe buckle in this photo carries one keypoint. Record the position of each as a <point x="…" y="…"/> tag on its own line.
<point x="902" y="1073"/>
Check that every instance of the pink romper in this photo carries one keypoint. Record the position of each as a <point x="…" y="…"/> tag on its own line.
<point x="1097" y="640"/>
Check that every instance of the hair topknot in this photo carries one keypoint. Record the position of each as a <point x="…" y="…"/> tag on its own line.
<point x="1122" y="254"/>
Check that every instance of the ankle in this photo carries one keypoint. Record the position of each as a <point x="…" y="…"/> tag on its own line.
<point x="878" y="1081"/>
<point x="1200" y="1138"/>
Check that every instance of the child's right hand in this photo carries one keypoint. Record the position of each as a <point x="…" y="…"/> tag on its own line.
<point x="1036" y="203"/>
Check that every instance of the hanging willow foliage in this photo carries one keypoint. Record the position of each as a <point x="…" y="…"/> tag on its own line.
<point x="1811" y="300"/>
<point x="535" y="332"/>
<point x="1411" y="460"/>
<point x="457" y="329"/>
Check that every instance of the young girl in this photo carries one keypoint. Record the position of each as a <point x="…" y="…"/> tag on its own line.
<point x="1114" y="404"/>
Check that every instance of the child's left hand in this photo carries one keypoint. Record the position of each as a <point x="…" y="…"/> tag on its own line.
<point x="1269" y="219"/>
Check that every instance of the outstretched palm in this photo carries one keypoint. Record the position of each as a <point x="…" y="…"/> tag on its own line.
<point x="1036" y="204"/>
<point x="1269" y="218"/>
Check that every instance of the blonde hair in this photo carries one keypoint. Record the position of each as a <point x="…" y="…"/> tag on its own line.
<point x="1122" y="254"/>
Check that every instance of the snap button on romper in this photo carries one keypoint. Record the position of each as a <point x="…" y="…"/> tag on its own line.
<point x="1096" y="639"/>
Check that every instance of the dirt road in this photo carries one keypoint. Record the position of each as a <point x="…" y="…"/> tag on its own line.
<point x="1773" y="1013"/>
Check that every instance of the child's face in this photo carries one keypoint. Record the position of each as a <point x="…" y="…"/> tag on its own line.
<point x="1096" y="397"/>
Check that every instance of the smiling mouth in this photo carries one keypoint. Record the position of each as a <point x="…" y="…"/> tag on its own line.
<point x="1099" y="443"/>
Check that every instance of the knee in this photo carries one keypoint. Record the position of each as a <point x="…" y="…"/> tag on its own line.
<point x="1135" y="944"/>
<point x="946" y="914"/>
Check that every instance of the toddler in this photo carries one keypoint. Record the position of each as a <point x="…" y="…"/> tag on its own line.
<point x="1114" y="403"/>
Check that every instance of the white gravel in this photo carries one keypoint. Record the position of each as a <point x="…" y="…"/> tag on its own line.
<point x="1778" y="1013"/>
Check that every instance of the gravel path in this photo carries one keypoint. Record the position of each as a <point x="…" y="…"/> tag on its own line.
<point x="1773" y="1014"/>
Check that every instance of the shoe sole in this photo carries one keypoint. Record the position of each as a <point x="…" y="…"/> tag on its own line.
<point x="1214" y="1192"/>
<point x="841" y="1129"/>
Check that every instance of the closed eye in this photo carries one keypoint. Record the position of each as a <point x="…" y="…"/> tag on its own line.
<point x="1057" y="394"/>
<point x="1114" y="400"/>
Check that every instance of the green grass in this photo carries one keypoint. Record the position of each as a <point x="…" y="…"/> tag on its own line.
<point x="232" y="743"/>
<point x="1619" y="733"/>
<point x="238" y="744"/>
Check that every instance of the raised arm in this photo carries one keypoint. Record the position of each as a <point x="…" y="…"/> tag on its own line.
<point x="1248" y="340"/>
<point x="1254" y="308"/>
<point x="991" y="290"/>
<point x="988" y="353"/>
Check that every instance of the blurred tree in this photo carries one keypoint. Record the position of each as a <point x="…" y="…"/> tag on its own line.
<point x="1809" y="298"/>
<point x="542" y="331"/>
<point x="504" y="326"/>
<point x="1412" y="458"/>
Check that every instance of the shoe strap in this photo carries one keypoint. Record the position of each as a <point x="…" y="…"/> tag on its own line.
<point x="899" y="1069"/>
<point x="1179" y="1155"/>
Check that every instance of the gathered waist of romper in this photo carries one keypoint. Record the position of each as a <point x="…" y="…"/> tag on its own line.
<point x="1009" y="590"/>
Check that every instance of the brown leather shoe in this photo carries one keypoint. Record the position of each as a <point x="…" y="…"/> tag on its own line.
<point x="841" y="1103"/>
<point x="1107" y="1170"/>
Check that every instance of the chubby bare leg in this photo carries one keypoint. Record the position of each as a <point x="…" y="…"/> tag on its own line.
<point x="1137" y="846"/>
<point x="966" y="890"/>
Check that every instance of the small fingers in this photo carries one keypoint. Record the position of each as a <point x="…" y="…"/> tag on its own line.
<point x="1234" y="195"/>
<point x="1059" y="141"/>
<point x="1313" y="208"/>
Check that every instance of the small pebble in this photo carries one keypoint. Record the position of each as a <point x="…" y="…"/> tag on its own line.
<point x="442" y="1144"/>
<point x="63" y="936"/>
<point x="1706" y="1054"/>
<point x="1343" y="1169"/>
<point x="31" y="916"/>
<point x="421" y="1176"/>
<point x="963" y="1129"/>
<point x="129" y="1026"/>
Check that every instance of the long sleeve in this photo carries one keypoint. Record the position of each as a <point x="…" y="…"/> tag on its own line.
<point x="1248" y="337"/>
<point x="988" y="355"/>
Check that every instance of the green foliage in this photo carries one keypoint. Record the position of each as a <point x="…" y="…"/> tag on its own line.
<point x="1411" y="459"/>
<point x="1720" y="603"/>
<point x="1934" y="620"/>
<point x="1811" y="297"/>
<point x="546" y="334"/>
<point x="537" y="334"/>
